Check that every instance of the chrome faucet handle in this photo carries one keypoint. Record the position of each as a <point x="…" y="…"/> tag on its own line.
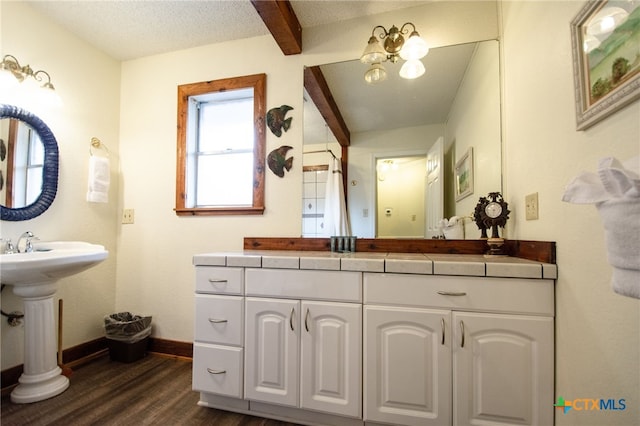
<point x="29" y="247"/>
<point x="8" y="247"/>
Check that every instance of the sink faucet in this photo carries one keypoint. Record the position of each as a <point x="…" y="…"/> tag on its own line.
<point x="28" y="246"/>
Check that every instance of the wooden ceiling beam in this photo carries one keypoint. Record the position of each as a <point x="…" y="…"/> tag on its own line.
<point x="318" y="89"/>
<point x="280" y="19"/>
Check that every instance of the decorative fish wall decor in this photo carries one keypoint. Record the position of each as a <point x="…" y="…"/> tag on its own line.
<point x="278" y="162"/>
<point x="276" y="120"/>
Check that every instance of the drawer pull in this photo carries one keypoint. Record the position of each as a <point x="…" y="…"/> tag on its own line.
<point x="452" y="293"/>
<point x="462" y="333"/>
<point x="442" y="325"/>
<point x="306" y="321"/>
<point x="217" y="321"/>
<point x="216" y="371"/>
<point x="217" y="280"/>
<point x="291" y="319"/>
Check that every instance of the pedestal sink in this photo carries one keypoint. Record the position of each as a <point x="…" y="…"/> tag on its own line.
<point x="34" y="278"/>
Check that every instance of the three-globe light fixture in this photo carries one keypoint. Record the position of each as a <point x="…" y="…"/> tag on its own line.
<point x="395" y="46"/>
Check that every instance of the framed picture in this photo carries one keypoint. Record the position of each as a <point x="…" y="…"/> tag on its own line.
<point x="464" y="175"/>
<point x="605" y="36"/>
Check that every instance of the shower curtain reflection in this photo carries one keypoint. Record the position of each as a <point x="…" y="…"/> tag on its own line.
<point x="336" y="219"/>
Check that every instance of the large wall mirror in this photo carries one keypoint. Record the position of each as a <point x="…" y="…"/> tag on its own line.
<point x="404" y="131"/>
<point x="28" y="164"/>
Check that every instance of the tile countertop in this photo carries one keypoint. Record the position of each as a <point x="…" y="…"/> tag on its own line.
<point x="402" y="263"/>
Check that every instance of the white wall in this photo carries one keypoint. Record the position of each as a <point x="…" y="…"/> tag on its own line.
<point x="474" y="122"/>
<point x="155" y="274"/>
<point x="597" y="331"/>
<point x="88" y="82"/>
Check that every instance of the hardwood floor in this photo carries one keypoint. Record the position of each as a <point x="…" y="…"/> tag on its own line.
<point x="155" y="390"/>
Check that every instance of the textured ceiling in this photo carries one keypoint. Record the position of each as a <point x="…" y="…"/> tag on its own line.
<point x="133" y="29"/>
<point x="126" y="29"/>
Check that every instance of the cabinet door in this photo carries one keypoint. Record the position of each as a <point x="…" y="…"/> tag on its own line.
<point x="331" y="358"/>
<point x="503" y="369"/>
<point x="407" y="366"/>
<point x="271" y="350"/>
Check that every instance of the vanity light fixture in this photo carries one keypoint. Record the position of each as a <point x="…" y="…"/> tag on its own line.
<point x="19" y="83"/>
<point x="414" y="49"/>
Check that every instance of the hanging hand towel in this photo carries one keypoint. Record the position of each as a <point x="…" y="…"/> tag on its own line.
<point x="615" y="191"/>
<point x="99" y="175"/>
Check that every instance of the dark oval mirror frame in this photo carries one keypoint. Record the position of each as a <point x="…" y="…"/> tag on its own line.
<point x="49" y="172"/>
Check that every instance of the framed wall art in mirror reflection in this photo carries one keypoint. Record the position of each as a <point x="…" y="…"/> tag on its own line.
<point x="464" y="175"/>
<point x="605" y="37"/>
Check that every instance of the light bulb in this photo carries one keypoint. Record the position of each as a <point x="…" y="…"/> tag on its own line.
<point x="414" y="48"/>
<point x="373" y="53"/>
<point x="411" y="69"/>
<point x="375" y="74"/>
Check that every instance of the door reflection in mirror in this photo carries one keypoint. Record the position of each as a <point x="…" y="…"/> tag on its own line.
<point x="23" y="166"/>
<point x="400" y="196"/>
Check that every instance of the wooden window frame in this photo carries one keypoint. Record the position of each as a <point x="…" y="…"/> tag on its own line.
<point x="258" y="83"/>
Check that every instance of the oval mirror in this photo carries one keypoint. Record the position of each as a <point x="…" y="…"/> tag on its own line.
<point x="28" y="164"/>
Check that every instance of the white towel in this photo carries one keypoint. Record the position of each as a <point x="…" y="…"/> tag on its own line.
<point x="615" y="190"/>
<point x="99" y="176"/>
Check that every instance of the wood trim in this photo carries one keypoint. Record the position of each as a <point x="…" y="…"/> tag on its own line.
<point x="538" y="251"/>
<point x="83" y="350"/>
<point x="259" y="84"/>
<point x="171" y="347"/>
<point x="11" y="147"/>
<point x="86" y="352"/>
<point x="226" y="211"/>
<point x="318" y="89"/>
<point x="282" y="22"/>
<point x="318" y="168"/>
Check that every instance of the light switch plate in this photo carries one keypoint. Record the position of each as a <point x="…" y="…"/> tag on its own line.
<point x="127" y="216"/>
<point x="531" y="206"/>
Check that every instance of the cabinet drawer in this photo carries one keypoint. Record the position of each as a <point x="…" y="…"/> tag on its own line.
<point x="219" y="319"/>
<point x="211" y="279"/>
<point x="305" y="284"/>
<point x="217" y="369"/>
<point x="530" y="296"/>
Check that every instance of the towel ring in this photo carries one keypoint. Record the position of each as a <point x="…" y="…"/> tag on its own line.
<point x="95" y="143"/>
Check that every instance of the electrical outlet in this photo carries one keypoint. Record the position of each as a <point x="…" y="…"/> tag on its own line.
<point x="127" y="216"/>
<point x="531" y="206"/>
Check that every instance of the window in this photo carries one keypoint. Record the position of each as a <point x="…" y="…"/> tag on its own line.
<point x="221" y="147"/>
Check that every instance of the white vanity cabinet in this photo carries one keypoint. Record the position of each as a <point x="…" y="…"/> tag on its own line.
<point x="439" y="351"/>
<point x="371" y="339"/>
<point x="304" y="353"/>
